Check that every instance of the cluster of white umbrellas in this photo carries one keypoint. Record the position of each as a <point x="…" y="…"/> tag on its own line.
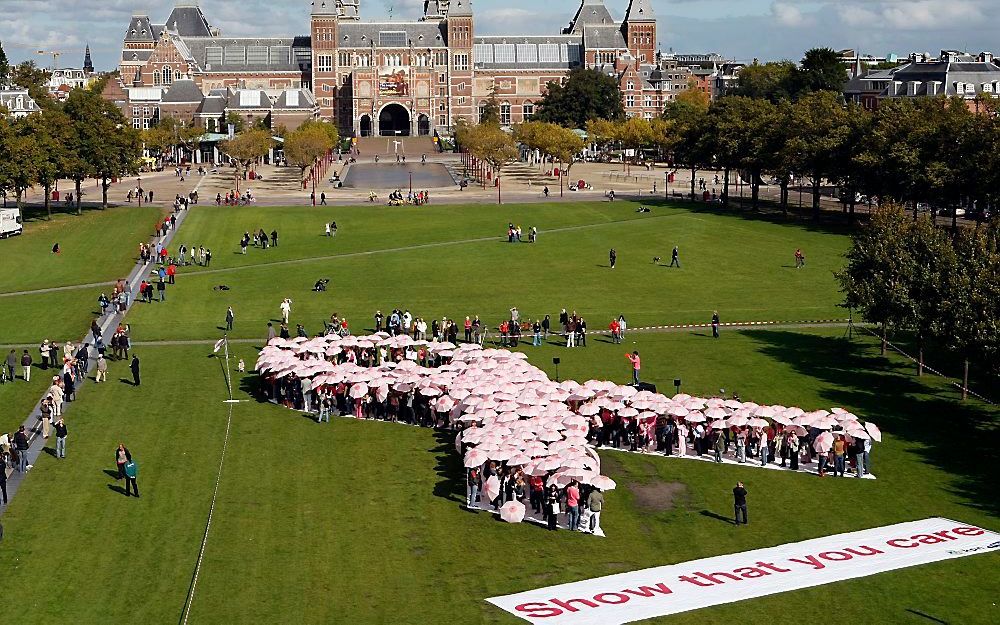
<point x="513" y="413"/>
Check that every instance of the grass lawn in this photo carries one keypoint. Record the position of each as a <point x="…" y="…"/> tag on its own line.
<point x="361" y="522"/>
<point x="348" y="522"/>
<point x="464" y="266"/>
<point x="97" y="246"/>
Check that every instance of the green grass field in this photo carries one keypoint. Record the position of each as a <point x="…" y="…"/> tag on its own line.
<point x="361" y="522"/>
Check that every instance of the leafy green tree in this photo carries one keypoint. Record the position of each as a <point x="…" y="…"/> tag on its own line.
<point x="821" y="130"/>
<point x="821" y="70"/>
<point x="586" y="94"/>
<point x="4" y="66"/>
<point x="33" y="78"/>
<point x="876" y="281"/>
<point x="51" y="132"/>
<point x="774" y="81"/>
<point x="236" y="120"/>
<point x="689" y="119"/>
<point x="971" y="315"/>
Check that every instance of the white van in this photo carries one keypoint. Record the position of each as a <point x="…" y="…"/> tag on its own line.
<point x="10" y="222"/>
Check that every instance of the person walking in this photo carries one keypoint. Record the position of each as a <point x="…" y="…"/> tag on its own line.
<point x="612" y="257"/>
<point x="122" y="456"/>
<point x="25" y="366"/>
<point x="740" y="503"/>
<point x="636" y="366"/>
<point x="675" y="258"/>
<point x="230" y="317"/>
<point x="286" y="309"/>
<point x="102" y="369"/>
<point x="61" y="432"/>
<point x="322" y="201"/>
<point x="715" y="324"/>
<point x="131" y="472"/>
<point x="327" y="225"/>
<point x="135" y="370"/>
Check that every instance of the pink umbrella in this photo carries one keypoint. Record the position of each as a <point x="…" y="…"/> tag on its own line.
<point x="549" y="435"/>
<point x="475" y="458"/>
<point x="589" y="409"/>
<point x="678" y="411"/>
<point x="738" y="420"/>
<point x="550" y="463"/>
<point x="798" y="430"/>
<point x="823" y="442"/>
<point x="758" y="423"/>
<point x="603" y="482"/>
<point x="491" y="488"/>
<point x="358" y="389"/>
<point x="872" y="429"/>
<point x="628" y="412"/>
<point x="695" y="417"/>
<point x="430" y="391"/>
<point x="719" y="425"/>
<point x="512" y="512"/>
<point x="518" y="460"/>
<point x="715" y="413"/>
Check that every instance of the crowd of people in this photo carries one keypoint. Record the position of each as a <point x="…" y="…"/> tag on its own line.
<point x="513" y="424"/>
<point x="398" y="198"/>
<point x="259" y="238"/>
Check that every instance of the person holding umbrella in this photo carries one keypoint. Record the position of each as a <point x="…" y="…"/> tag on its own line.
<point x="740" y="503"/>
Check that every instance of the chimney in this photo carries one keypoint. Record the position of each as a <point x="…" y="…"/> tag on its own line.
<point x="986" y="57"/>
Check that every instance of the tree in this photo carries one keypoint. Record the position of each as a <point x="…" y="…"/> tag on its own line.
<point x="586" y="94"/>
<point x="305" y="145"/>
<point x="236" y="121"/>
<point x="821" y="70"/>
<point x="51" y="131"/>
<point x="876" y="279"/>
<point x="635" y="133"/>
<point x="489" y="112"/>
<point x="971" y="315"/>
<point x="33" y="78"/>
<point x="170" y="133"/>
<point x="932" y="260"/>
<point x="820" y="123"/>
<point x="102" y="143"/>
<point x="773" y="81"/>
<point x="688" y="117"/>
<point x="4" y="66"/>
<point x="246" y="147"/>
<point x="491" y="145"/>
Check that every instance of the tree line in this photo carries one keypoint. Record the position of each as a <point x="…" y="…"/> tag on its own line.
<point x="84" y="137"/>
<point x="907" y="274"/>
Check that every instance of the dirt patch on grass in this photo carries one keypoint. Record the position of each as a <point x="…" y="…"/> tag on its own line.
<point x="657" y="496"/>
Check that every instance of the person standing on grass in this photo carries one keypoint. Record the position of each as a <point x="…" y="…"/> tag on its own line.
<point x="839" y="456"/>
<point x="135" y="370"/>
<point x="612" y="257"/>
<point x="740" y="503"/>
<point x="208" y="257"/>
<point x="474" y="483"/>
<point x="274" y="238"/>
<point x="25" y="366"/>
<point x="131" y="470"/>
<point x="715" y="324"/>
<point x="636" y="365"/>
<point x="596" y="504"/>
<point x="552" y="507"/>
<point x="286" y="310"/>
<point x="60" y="438"/>
<point x="328" y="233"/>
<point x="573" y="506"/>
<point x="675" y="258"/>
<point x="270" y="332"/>
<point x="43" y="350"/>
<point x="230" y="318"/>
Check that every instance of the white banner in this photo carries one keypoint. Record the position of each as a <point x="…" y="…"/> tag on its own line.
<point x="664" y="590"/>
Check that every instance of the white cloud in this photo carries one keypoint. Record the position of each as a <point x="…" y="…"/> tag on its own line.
<point x="788" y="14"/>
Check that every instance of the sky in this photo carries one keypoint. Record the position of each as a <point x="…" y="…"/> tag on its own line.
<point x="738" y="29"/>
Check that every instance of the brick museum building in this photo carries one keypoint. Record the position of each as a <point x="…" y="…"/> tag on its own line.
<point x="398" y="77"/>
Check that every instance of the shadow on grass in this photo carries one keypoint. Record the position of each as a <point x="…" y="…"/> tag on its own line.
<point x="118" y="489"/>
<point x="451" y="472"/>
<point x="111" y="473"/>
<point x="956" y="437"/>
<point x="718" y="517"/>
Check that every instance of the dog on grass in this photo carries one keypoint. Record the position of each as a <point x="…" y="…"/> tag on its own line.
<point x="656" y="260"/>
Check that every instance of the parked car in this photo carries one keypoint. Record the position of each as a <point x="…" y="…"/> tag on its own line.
<point x="952" y="212"/>
<point x="10" y="222"/>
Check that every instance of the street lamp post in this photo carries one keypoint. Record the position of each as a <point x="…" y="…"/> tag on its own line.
<point x="666" y="185"/>
<point x="138" y="188"/>
<point x="498" y="190"/>
<point x="411" y="183"/>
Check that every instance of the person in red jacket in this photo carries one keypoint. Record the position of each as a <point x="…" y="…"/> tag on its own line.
<point x="171" y="270"/>
<point x="616" y="329"/>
